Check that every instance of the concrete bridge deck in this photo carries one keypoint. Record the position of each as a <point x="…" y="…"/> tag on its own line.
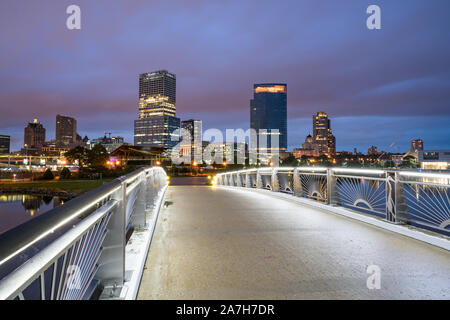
<point x="215" y="243"/>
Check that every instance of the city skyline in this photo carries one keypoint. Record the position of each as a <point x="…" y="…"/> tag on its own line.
<point x="326" y="68"/>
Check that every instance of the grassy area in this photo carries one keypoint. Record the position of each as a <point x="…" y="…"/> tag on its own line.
<point x="75" y="186"/>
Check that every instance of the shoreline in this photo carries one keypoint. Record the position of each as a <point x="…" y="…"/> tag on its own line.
<point x="41" y="192"/>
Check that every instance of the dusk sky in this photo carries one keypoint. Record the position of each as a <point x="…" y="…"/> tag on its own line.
<point x="378" y="86"/>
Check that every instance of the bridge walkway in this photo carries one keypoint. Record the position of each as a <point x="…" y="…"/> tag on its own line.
<point x="215" y="243"/>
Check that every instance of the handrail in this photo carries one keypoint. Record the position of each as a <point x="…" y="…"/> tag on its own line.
<point x="72" y="235"/>
<point x="399" y="196"/>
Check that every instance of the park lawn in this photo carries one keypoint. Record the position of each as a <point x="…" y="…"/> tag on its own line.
<point x="75" y="186"/>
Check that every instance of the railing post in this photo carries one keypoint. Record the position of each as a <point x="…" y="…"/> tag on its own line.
<point x="139" y="214"/>
<point x="248" y="180"/>
<point x="259" y="183"/>
<point x="238" y="180"/>
<point x="332" y="195"/>
<point x="274" y="180"/>
<point x="297" y="184"/>
<point x="396" y="208"/>
<point x="111" y="272"/>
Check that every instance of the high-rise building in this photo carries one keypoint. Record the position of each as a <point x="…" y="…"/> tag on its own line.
<point x="157" y="131"/>
<point x="322" y="133"/>
<point x="66" y="131"/>
<point x="157" y="119"/>
<point x="157" y="83"/>
<point x="417" y="145"/>
<point x="268" y="111"/>
<point x="34" y="136"/>
<point x="193" y="148"/>
<point x="5" y="142"/>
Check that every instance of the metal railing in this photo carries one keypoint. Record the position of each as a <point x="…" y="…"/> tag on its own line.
<point x="76" y="249"/>
<point x="416" y="198"/>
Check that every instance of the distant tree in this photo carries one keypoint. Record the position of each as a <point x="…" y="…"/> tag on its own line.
<point x="79" y="154"/>
<point x="65" y="174"/>
<point x="48" y="175"/>
<point x="97" y="157"/>
<point x="290" y="161"/>
<point x="389" y="164"/>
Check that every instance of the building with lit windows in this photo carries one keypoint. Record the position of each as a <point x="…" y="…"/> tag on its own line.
<point x="109" y="143"/>
<point x="5" y="142"/>
<point x="268" y="115"/>
<point x="309" y="148"/>
<point x="157" y="119"/>
<point x="193" y="147"/>
<point x="158" y="131"/>
<point x="434" y="159"/>
<point x="34" y="135"/>
<point x="66" y="131"/>
<point x="323" y="135"/>
<point x="417" y="144"/>
<point x="373" y="151"/>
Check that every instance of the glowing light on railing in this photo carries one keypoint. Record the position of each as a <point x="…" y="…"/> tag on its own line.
<point x="424" y="175"/>
<point x="312" y="168"/>
<point x="367" y="171"/>
<point x="50" y="231"/>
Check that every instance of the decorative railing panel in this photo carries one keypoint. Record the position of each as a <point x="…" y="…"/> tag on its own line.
<point x="75" y="249"/>
<point x="416" y="198"/>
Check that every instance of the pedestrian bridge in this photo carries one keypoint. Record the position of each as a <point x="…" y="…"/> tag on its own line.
<point x="234" y="240"/>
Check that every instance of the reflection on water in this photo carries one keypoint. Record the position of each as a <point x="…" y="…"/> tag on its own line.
<point x="19" y="208"/>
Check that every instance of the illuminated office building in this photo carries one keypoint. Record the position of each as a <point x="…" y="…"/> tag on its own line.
<point x="34" y="135"/>
<point x="268" y="113"/>
<point x="66" y="131"/>
<point x="157" y="119"/>
<point x="5" y="142"/>
<point x="322" y="134"/>
<point x="193" y="148"/>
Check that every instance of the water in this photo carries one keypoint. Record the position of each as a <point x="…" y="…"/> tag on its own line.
<point x="19" y="208"/>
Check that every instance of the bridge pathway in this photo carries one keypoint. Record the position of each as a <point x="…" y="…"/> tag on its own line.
<point x="214" y="243"/>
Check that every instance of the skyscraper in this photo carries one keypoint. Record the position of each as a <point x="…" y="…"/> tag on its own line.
<point x="323" y="136"/>
<point x="268" y="111"/>
<point x="34" y="135"/>
<point x="66" y="131"/>
<point x="157" y="119"/>
<point x="194" y="146"/>
<point x="157" y="83"/>
<point x="5" y="142"/>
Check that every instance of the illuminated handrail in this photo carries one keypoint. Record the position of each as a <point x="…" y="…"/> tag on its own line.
<point x="417" y="198"/>
<point x="81" y="244"/>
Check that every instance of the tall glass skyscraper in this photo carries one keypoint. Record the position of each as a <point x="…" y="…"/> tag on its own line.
<point x="66" y="131"/>
<point x="268" y="111"/>
<point x="5" y="142"/>
<point x="157" y="119"/>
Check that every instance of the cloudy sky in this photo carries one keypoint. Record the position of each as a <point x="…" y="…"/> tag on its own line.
<point x="379" y="87"/>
